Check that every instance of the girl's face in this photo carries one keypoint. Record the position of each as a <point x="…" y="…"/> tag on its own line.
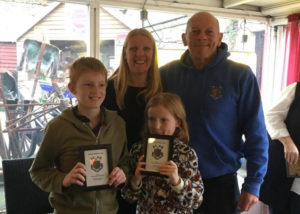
<point x="161" y="121"/>
<point x="90" y="90"/>
<point x="138" y="54"/>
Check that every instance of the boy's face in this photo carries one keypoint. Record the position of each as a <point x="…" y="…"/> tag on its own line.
<point x="90" y="90"/>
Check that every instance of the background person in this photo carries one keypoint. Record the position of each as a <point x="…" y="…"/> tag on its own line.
<point x="135" y="81"/>
<point x="181" y="191"/>
<point x="57" y="168"/>
<point x="280" y="192"/>
<point x="222" y="102"/>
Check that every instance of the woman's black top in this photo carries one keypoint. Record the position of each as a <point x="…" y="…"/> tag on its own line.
<point x="132" y="113"/>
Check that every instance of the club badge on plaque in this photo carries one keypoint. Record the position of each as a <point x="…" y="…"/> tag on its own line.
<point x="97" y="160"/>
<point x="158" y="150"/>
<point x="293" y="170"/>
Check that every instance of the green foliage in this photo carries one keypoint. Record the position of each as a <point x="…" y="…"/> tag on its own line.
<point x="232" y="30"/>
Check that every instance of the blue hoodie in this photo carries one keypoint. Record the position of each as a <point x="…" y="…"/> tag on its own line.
<point x="223" y="107"/>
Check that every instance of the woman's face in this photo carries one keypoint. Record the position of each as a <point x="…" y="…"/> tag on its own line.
<point x="161" y="121"/>
<point x="139" y="54"/>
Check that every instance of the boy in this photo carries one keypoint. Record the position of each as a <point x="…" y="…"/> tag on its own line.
<point x="57" y="169"/>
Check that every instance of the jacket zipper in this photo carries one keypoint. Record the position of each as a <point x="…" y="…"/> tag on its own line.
<point x="97" y="203"/>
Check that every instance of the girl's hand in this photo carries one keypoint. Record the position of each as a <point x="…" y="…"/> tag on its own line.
<point x="137" y="178"/>
<point x="170" y="169"/>
<point x="75" y="176"/>
<point x="116" y="177"/>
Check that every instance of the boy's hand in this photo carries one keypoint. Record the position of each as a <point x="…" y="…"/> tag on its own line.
<point x="75" y="176"/>
<point x="116" y="177"/>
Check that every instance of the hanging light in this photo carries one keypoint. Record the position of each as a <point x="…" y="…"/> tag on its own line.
<point x="245" y="36"/>
<point x="144" y="16"/>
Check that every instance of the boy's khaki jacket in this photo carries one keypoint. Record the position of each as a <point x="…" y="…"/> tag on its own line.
<point x="59" y="153"/>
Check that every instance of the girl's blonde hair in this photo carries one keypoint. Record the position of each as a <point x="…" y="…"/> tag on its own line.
<point x="83" y="65"/>
<point x="121" y="75"/>
<point x="173" y="104"/>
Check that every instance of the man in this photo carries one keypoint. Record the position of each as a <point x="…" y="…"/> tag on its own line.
<point x="222" y="102"/>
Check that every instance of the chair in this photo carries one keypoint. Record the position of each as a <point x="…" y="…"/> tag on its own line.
<point x="22" y="196"/>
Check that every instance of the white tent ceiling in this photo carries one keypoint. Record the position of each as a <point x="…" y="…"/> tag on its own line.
<point x="250" y="9"/>
<point x="257" y="9"/>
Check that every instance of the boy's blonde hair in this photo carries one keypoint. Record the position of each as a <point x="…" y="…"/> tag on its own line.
<point x="121" y="75"/>
<point x="83" y="65"/>
<point x="173" y="104"/>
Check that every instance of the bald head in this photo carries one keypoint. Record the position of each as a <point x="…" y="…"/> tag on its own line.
<point x="203" y="37"/>
<point x="203" y="17"/>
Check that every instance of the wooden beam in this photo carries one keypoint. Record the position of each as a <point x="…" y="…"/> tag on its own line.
<point x="286" y="8"/>
<point x="234" y="3"/>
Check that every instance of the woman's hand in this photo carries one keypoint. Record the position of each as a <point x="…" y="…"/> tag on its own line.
<point x="75" y="176"/>
<point x="116" y="177"/>
<point x="291" y="152"/>
<point x="170" y="169"/>
<point x="137" y="178"/>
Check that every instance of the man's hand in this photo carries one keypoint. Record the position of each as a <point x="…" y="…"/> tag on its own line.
<point x="291" y="153"/>
<point x="247" y="200"/>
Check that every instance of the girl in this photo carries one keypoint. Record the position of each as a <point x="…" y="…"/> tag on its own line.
<point x="181" y="190"/>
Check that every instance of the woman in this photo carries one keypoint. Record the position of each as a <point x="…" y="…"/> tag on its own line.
<point x="132" y="85"/>
<point x="280" y="192"/>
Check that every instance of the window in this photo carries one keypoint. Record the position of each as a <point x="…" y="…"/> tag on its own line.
<point x="107" y="55"/>
<point x="50" y="36"/>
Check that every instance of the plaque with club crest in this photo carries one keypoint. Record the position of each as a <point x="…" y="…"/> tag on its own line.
<point x="158" y="150"/>
<point x="98" y="164"/>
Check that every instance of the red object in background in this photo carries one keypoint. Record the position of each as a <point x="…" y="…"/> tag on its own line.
<point x="293" y="43"/>
<point x="8" y="56"/>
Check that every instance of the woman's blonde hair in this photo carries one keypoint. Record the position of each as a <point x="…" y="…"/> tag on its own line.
<point x="173" y="104"/>
<point x="121" y="75"/>
<point x="83" y="65"/>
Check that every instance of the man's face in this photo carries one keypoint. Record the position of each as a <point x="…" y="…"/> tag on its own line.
<point x="202" y="37"/>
